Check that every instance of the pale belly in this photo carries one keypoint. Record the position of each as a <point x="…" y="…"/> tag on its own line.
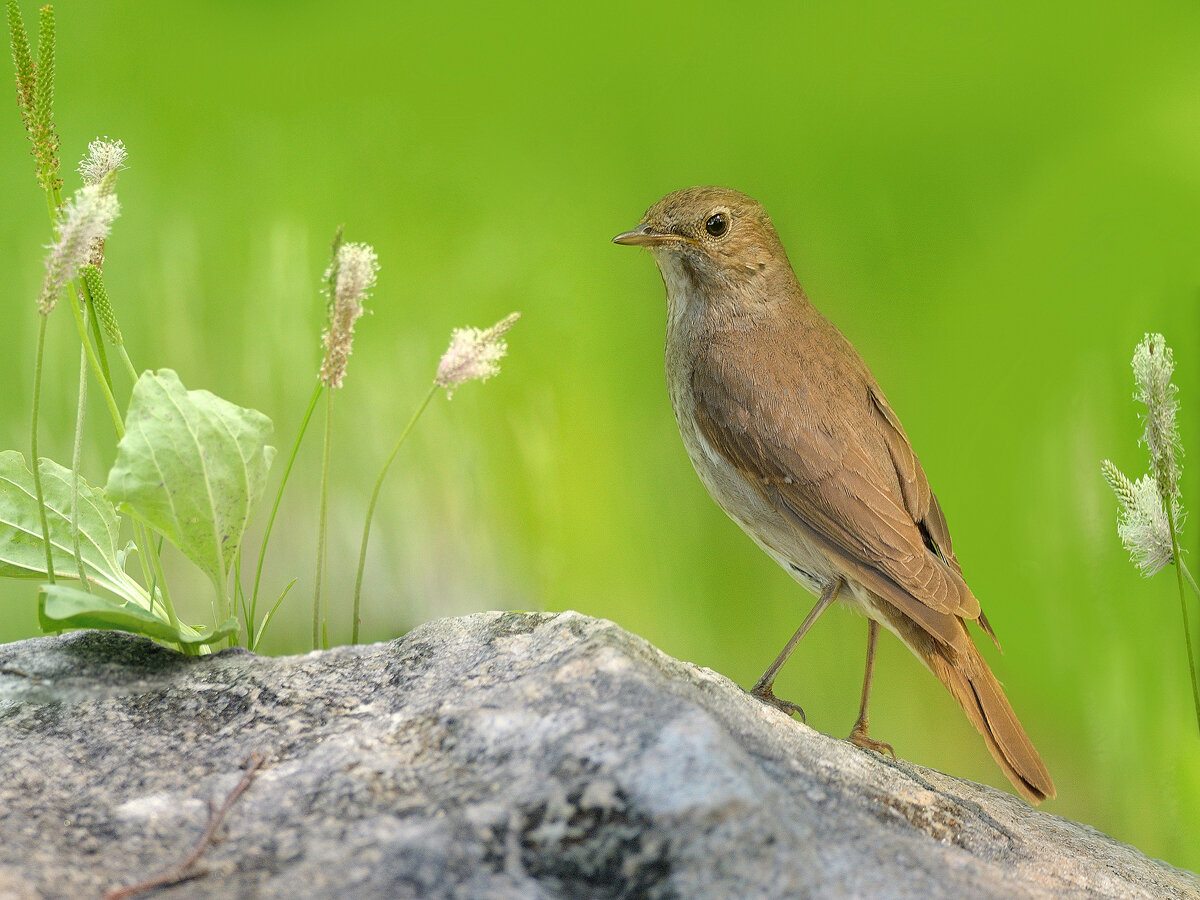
<point x="779" y="537"/>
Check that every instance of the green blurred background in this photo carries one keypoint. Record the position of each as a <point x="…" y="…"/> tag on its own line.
<point x="994" y="202"/>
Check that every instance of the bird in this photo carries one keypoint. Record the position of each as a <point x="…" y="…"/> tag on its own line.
<point x="792" y="436"/>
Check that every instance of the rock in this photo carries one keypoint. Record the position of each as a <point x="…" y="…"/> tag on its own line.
<point x="500" y="755"/>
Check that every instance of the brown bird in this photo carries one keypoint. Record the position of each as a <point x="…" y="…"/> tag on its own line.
<point x="791" y="434"/>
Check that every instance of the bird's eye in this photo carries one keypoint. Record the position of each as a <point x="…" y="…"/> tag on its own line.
<point x="717" y="224"/>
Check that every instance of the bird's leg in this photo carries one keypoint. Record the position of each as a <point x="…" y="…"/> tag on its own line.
<point x="762" y="689"/>
<point x="858" y="734"/>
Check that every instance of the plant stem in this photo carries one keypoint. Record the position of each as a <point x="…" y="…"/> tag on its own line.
<point x="33" y="440"/>
<point x="267" y="618"/>
<point x="94" y="362"/>
<point x="1187" y="629"/>
<point x="128" y="365"/>
<point x="1188" y="575"/>
<point x="52" y="204"/>
<point x="262" y="550"/>
<point x="156" y="561"/>
<point x="141" y="537"/>
<point x="239" y="600"/>
<point x="76" y="458"/>
<point x="362" y="551"/>
<point x="224" y="605"/>
<point x="99" y="338"/>
<point x="318" y="619"/>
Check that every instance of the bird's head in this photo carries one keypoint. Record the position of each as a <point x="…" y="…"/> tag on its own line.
<point x="717" y="230"/>
<point x="710" y="243"/>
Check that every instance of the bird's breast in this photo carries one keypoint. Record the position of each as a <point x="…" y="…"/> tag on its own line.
<point x="776" y="535"/>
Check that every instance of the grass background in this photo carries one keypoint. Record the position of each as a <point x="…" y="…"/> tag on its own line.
<point x="993" y="202"/>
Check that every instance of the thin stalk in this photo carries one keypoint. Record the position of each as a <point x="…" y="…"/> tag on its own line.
<point x="76" y="459"/>
<point x="239" y="600"/>
<point x="52" y="204"/>
<point x="94" y="362"/>
<point x="1187" y="628"/>
<point x="318" y="618"/>
<point x="262" y="550"/>
<point x="1188" y="575"/>
<point x="33" y="440"/>
<point x="362" y="551"/>
<point x="152" y="579"/>
<point x="139" y="539"/>
<point x="156" y="561"/>
<point x="161" y="582"/>
<point x="224" y="604"/>
<point x="267" y="618"/>
<point x="97" y="336"/>
<point x="128" y="365"/>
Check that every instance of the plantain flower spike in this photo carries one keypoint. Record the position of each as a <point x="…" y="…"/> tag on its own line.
<point x="104" y="160"/>
<point x="473" y="355"/>
<point x="104" y="155"/>
<point x="1142" y="524"/>
<point x="1153" y="365"/>
<point x="84" y="220"/>
<point x="350" y="276"/>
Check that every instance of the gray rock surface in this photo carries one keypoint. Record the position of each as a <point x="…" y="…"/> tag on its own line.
<point x="501" y="755"/>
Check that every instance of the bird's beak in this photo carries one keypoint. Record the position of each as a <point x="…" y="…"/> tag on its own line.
<point x="645" y="236"/>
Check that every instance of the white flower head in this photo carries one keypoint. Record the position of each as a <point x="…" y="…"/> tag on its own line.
<point x="1153" y="365"/>
<point x="357" y="266"/>
<point x="83" y="222"/>
<point x="350" y="276"/>
<point x="473" y="355"/>
<point x="1143" y="526"/>
<point x="104" y="156"/>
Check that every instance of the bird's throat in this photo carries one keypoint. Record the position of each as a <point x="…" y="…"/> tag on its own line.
<point x="685" y="294"/>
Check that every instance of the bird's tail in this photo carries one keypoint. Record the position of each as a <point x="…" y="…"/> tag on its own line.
<point x="977" y="691"/>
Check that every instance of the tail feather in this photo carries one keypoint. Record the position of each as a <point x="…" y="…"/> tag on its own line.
<point x="977" y="691"/>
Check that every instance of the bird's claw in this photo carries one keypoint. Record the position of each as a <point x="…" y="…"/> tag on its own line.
<point x="764" y="693"/>
<point x="859" y="738"/>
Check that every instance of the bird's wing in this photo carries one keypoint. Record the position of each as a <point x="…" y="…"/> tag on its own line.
<point x="847" y="489"/>
<point x="919" y="500"/>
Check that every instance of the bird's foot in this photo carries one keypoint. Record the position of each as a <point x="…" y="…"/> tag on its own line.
<point x="764" y="693"/>
<point x="858" y="737"/>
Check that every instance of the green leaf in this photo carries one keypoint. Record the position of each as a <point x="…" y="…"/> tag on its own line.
<point x="61" y="607"/>
<point x="191" y="466"/>
<point x="21" y="551"/>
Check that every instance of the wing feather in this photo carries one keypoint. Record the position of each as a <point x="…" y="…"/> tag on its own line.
<point x="858" y="493"/>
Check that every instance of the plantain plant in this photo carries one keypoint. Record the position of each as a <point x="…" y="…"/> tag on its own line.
<point x="190" y="467"/>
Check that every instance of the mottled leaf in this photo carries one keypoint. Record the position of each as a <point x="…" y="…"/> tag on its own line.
<point x="191" y="466"/>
